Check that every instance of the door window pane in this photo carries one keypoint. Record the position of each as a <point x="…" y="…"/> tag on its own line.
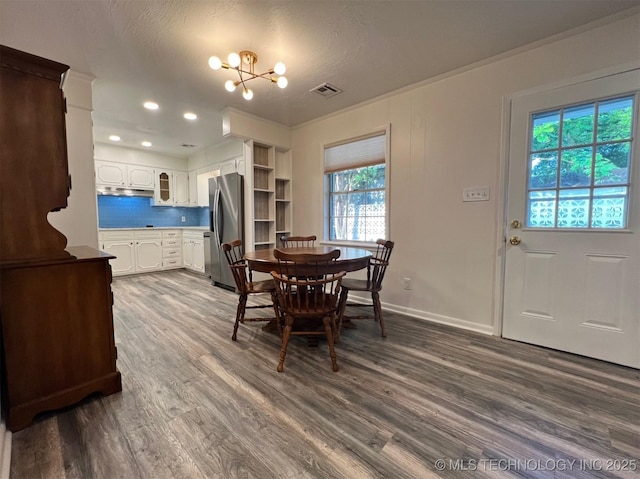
<point x="609" y="208"/>
<point x="579" y="173"/>
<point x="544" y="134"/>
<point x="612" y="164"/>
<point x="544" y="170"/>
<point x="575" y="169"/>
<point x="542" y="209"/>
<point x="577" y="125"/>
<point x="614" y="119"/>
<point x="573" y="208"/>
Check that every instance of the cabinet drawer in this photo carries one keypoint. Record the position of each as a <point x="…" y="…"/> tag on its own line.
<point x="148" y="234"/>
<point x="192" y="234"/>
<point x="171" y="252"/>
<point x="171" y="243"/>
<point x="171" y="234"/>
<point x="116" y="235"/>
<point x="172" y="263"/>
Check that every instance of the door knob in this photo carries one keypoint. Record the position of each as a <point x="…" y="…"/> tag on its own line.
<point x="514" y="240"/>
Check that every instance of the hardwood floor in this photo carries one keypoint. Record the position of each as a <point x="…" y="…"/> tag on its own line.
<point x="197" y="405"/>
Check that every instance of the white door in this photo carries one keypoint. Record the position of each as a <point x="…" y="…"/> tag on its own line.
<point x="572" y="267"/>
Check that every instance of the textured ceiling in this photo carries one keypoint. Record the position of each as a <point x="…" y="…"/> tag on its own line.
<point x="157" y="50"/>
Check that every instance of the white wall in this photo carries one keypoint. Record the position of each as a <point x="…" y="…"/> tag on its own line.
<point x="229" y="148"/>
<point x="79" y="220"/>
<point x="447" y="135"/>
<point x="132" y="156"/>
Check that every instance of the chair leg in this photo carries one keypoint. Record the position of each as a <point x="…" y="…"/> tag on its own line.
<point x="332" y="350"/>
<point x="274" y="300"/>
<point x="342" y="304"/>
<point x="285" y="341"/>
<point x="377" y="311"/>
<point x="242" y="304"/>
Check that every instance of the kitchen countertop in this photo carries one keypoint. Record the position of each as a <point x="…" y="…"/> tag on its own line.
<point x="198" y="228"/>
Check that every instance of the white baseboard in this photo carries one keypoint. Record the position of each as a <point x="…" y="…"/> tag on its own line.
<point x="5" y="451"/>
<point x="434" y="318"/>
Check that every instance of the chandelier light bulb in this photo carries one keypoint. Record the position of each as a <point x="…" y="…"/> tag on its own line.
<point x="280" y="69"/>
<point x="229" y="85"/>
<point x="247" y="94"/>
<point x="282" y="82"/>
<point x="234" y="60"/>
<point x="215" y="63"/>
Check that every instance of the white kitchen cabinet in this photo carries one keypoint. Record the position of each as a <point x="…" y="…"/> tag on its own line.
<point x="172" y="187"/>
<point x="171" y="249"/>
<point x="181" y="188"/>
<point x="141" y="177"/>
<point x="193" y="188"/>
<point x="187" y="253"/>
<point x="148" y="255"/>
<point x="124" y="252"/>
<point x="198" y="255"/>
<point x="193" y="250"/>
<point x="109" y="173"/>
<point x="202" y="185"/>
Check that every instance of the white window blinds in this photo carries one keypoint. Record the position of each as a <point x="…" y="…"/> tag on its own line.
<point x="359" y="153"/>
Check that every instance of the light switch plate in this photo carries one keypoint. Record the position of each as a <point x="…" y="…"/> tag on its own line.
<point x="476" y="193"/>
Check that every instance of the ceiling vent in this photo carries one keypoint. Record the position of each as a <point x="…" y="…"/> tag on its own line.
<point x="187" y="145"/>
<point x="326" y="90"/>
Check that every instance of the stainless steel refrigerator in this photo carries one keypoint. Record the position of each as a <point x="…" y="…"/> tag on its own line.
<point x="226" y="220"/>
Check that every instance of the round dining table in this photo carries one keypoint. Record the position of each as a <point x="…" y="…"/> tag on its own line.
<point x="350" y="259"/>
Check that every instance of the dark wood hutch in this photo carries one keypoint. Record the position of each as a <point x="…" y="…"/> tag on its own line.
<point x="55" y="302"/>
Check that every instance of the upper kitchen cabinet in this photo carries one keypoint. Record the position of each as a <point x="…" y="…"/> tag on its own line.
<point x="199" y="179"/>
<point x="124" y="176"/>
<point x="171" y="187"/>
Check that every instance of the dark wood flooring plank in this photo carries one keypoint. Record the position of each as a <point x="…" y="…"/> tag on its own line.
<point x="196" y="404"/>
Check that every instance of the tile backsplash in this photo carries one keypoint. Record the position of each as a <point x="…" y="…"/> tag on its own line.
<point x="138" y="212"/>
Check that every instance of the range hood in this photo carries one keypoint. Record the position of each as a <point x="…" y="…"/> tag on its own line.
<point x="113" y="191"/>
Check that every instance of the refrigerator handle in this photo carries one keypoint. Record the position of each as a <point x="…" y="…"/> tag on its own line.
<point x="216" y="219"/>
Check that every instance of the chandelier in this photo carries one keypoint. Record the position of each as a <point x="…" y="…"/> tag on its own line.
<point x="244" y="63"/>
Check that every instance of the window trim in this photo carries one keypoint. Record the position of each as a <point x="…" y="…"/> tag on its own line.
<point x="386" y="130"/>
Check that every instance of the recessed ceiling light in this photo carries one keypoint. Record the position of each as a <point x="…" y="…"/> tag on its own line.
<point x="190" y="116"/>
<point x="114" y="138"/>
<point x="146" y="143"/>
<point x="151" y="105"/>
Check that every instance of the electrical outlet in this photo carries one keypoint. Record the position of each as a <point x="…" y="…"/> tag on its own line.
<point x="184" y="219"/>
<point x="476" y="193"/>
<point x="406" y="283"/>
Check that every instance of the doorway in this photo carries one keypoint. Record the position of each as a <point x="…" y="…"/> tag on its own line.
<point x="572" y="252"/>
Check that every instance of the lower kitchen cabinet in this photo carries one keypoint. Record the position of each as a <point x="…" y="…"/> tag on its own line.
<point x="57" y="334"/>
<point x="193" y="250"/>
<point x="148" y="255"/>
<point x="134" y="251"/>
<point x="145" y="250"/>
<point x="125" y="256"/>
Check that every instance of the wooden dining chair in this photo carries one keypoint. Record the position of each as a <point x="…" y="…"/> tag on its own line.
<point x="298" y="241"/>
<point x="307" y="298"/>
<point x="245" y="287"/>
<point x="373" y="284"/>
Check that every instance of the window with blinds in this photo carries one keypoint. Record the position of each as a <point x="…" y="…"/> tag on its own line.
<point x="356" y="178"/>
